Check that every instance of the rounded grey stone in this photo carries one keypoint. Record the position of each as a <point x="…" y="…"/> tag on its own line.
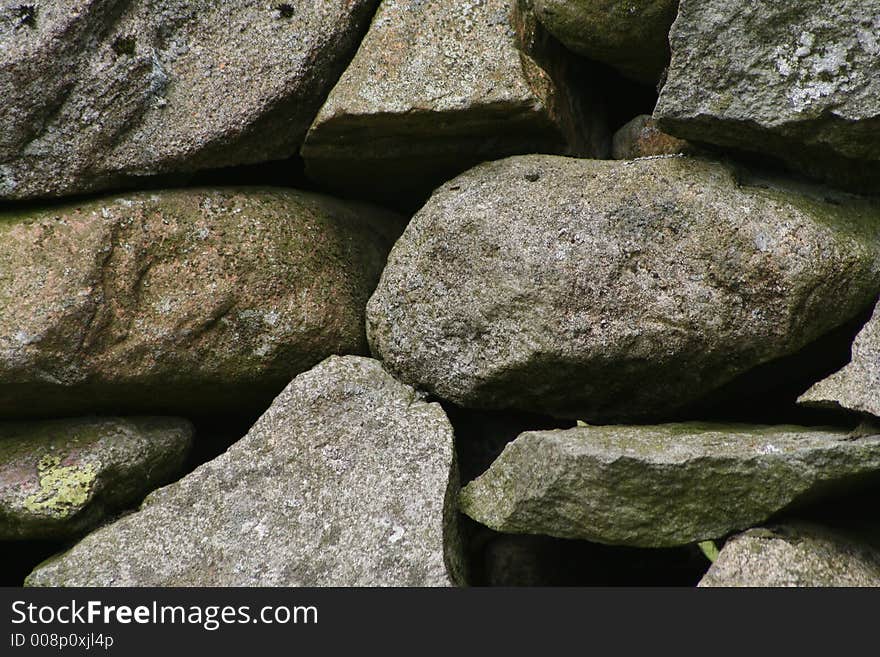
<point x="613" y="291"/>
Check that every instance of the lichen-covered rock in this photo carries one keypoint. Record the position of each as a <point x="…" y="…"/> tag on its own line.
<point x="347" y="480"/>
<point x="797" y="80"/>
<point x="441" y="85"/>
<point x="662" y="485"/>
<point x="59" y="478"/>
<point x="641" y="138"/>
<point x="614" y="291"/>
<point x="856" y="387"/>
<point x="795" y="554"/>
<point x="180" y="302"/>
<point x="631" y="36"/>
<point x="98" y="92"/>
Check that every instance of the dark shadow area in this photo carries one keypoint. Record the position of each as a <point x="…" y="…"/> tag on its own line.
<point x="280" y="173"/>
<point x="524" y="560"/>
<point x="215" y="434"/>
<point x="480" y="436"/>
<point x="853" y="508"/>
<point x="623" y="99"/>
<point x="768" y="393"/>
<point x="20" y="557"/>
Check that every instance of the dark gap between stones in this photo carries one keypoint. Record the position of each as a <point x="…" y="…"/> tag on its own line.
<point x="498" y="559"/>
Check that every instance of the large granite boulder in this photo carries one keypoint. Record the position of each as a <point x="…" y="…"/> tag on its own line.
<point x="795" y="554"/>
<point x="348" y="479"/>
<point x="631" y="36"/>
<point x="98" y="92"/>
<point x="856" y="387"/>
<point x="797" y="80"/>
<point x="438" y="86"/>
<point x="663" y="485"/>
<point x="614" y="291"/>
<point x="59" y="478"/>
<point x="180" y="302"/>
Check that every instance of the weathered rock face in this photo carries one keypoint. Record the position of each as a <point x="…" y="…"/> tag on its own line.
<point x="60" y="478"/>
<point x="641" y="138"/>
<point x="348" y="479"/>
<point x="795" y="555"/>
<point x="663" y="485"/>
<point x="630" y="36"/>
<point x="857" y="386"/>
<point x="189" y="301"/>
<point x="611" y="291"/>
<point x="796" y="80"/>
<point x="441" y="85"/>
<point x="96" y="92"/>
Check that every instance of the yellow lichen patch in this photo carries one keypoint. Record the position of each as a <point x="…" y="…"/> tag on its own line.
<point x="63" y="489"/>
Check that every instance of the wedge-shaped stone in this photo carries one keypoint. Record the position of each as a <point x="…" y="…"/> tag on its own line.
<point x="795" y="554"/>
<point x="441" y="85"/>
<point x="614" y="291"/>
<point x="180" y="302"/>
<point x="857" y="386"/>
<point x="798" y="80"/>
<point x="59" y="478"/>
<point x="99" y="92"/>
<point x="662" y="485"/>
<point x="348" y="479"/>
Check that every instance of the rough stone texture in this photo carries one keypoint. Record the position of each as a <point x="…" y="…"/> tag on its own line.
<point x="795" y="555"/>
<point x="796" y="80"/>
<point x="347" y="480"/>
<point x="59" y="478"/>
<point x="662" y="485"/>
<point x="641" y="138"/>
<point x="857" y="386"/>
<point x="631" y="36"/>
<point x="98" y="92"/>
<point x="614" y="291"/>
<point x="441" y="85"/>
<point x="188" y="301"/>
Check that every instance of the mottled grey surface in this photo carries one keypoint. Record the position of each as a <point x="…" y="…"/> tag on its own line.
<point x="631" y="36"/>
<point x="796" y="554"/>
<point x="662" y="485"/>
<point x="438" y="86"/>
<point x="798" y="80"/>
<point x="97" y="92"/>
<point x="180" y="302"/>
<point x="349" y="479"/>
<point x="641" y="137"/>
<point x="59" y="478"/>
<point x="856" y="387"/>
<point x="613" y="291"/>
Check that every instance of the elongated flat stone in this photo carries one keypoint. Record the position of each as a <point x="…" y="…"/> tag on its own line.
<point x="180" y="302"/>
<point x="663" y="485"/>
